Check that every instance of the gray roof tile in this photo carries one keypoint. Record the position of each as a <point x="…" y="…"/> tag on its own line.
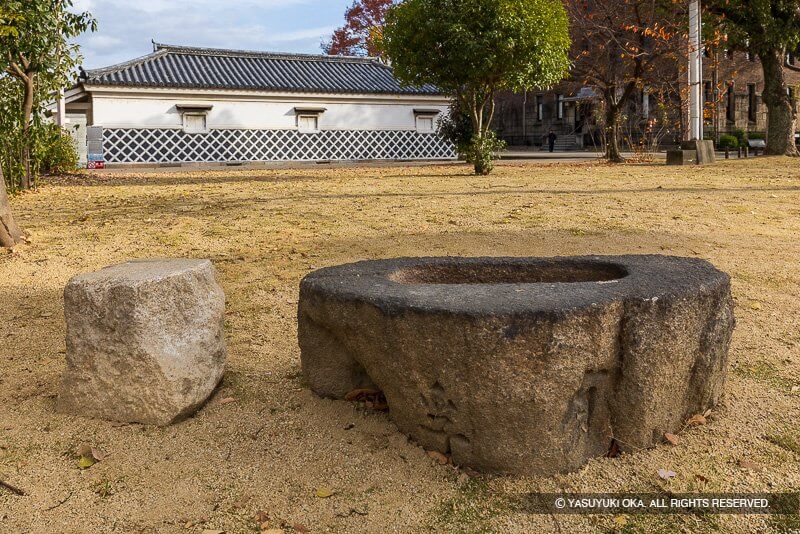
<point x="207" y="68"/>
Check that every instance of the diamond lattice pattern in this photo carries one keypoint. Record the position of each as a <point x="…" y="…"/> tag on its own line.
<point x="135" y="145"/>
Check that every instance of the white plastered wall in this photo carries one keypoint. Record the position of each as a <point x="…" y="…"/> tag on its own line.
<point x="132" y="109"/>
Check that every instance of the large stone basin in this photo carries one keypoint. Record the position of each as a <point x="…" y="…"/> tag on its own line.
<point x="523" y="365"/>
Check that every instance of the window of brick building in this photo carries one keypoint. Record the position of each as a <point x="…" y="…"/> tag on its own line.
<point x="752" y="103"/>
<point x="730" y="112"/>
<point x="539" y="108"/>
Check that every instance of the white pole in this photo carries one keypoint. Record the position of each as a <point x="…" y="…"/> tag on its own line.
<point x="61" y="109"/>
<point x="695" y="72"/>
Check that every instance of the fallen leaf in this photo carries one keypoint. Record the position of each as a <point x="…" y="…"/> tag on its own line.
<point x="241" y="502"/>
<point x="272" y="531"/>
<point x="360" y="393"/>
<point x="208" y="531"/>
<point x="438" y="457"/>
<point x="755" y="305"/>
<point x="666" y="475"/>
<point x="98" y="454"/>
<point x="701" y="478"/>
<point x="614" y="450"/>
<point x="697" y="420"/>
<point x="299" y="528"/>
<point x="471" y="472"/>
<point x="372" y="398"/>
<point x="88" y="455"/>
<point x="672" y="439"/>
<point x="747" y="464"/>
<point x="707" y="413"/>
<point x="795" y="389"/>
<point x="85" y="462"/>
<point x="227" y="400"/>
<point x="621" y="520"/>
<point x="261" y="517"/>
<point x="324" y="493"/>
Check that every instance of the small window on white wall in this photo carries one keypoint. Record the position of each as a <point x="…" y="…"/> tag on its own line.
<point x="308" y="123"/>
<point x="195" y="123"/>
<point x="424" y="123"/>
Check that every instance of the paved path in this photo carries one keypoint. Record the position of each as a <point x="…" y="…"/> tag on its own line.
<point x="573" y="156"/>
<point x="511" y="156"/>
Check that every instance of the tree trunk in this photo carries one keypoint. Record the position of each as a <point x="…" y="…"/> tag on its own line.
<point x="10" y="234"/>
<point x="482" y="149"/>
<point x="613" y="154"/>
<point x="27" y="111"/>
<point x="780" y="110"/>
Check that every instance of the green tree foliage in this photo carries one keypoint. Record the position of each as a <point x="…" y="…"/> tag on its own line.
<point x="37" y="59"/>
<point x="39" y="137"/>
<point x="768" y="29"/>
<point x="472" y="49"/>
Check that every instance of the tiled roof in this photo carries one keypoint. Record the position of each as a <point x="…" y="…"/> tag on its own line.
<point x="205" y="68"/>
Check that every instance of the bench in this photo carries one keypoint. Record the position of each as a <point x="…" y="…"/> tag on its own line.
<point x="756" y="144"/>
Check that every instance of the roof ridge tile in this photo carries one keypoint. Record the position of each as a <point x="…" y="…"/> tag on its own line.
<point x="231" y="52"/>
<point x="210" y="68"/>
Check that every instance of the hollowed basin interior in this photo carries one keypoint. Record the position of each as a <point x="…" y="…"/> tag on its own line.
<point x="555" y="273"/>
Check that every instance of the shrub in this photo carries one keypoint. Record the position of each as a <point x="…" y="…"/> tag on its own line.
<point x="57" y="153"/>
<point x="756" y="135"/>
<point x="482" y="152"/>
<point x="456" y="127"/>
<point x="728" y="141"/>
<point x="741" y="136"/>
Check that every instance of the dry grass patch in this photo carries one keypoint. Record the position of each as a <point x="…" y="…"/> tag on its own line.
<point x="272" y="449"/>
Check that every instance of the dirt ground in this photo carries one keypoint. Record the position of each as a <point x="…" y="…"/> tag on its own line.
<point x="275" y="447"/>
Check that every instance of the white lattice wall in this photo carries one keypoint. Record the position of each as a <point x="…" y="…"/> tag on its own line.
<point x="134" y="145"/>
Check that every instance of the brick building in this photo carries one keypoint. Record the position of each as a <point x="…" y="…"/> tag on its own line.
<point x="733" y="85"/>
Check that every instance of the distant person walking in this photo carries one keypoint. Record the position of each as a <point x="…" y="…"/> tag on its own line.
<point x="551" y="140"/>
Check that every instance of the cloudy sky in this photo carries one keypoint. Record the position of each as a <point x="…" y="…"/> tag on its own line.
<point x="126" y="27"/>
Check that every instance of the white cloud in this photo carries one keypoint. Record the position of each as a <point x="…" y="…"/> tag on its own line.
<point x="300" y="35"/>
<point x="82" y="5"/>
<point x="127" y="26"/>
<point x="182" y="6"/>
<point x="102" y="43"/>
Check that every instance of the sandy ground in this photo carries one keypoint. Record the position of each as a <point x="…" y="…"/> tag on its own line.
<point x="276" y="445"/>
